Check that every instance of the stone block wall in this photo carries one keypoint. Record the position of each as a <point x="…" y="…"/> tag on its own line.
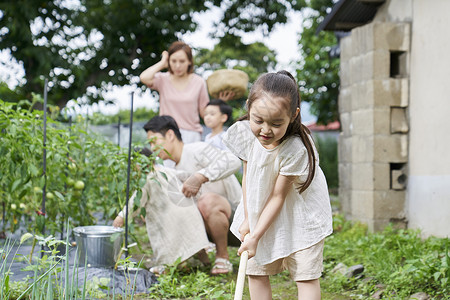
<point x="373" y="107"/>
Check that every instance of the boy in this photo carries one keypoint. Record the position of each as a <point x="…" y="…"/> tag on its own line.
<point x="217" y="113"/>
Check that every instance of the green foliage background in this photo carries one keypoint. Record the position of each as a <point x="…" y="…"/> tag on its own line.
<point x="73" y="154"/>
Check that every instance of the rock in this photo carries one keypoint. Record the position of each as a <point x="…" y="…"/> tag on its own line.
<point x="341" y="268"/>
<point x="378" y="294"/>
<point x="354" y="271"/>
<point x="420" y="296"/>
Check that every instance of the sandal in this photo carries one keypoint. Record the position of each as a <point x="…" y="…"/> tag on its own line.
<point x="221" y="266"/>
<point x="158" y="270"/>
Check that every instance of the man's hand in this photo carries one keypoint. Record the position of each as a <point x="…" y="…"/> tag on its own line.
<point x="192" y="185"/>
<point x="118" y="221"/>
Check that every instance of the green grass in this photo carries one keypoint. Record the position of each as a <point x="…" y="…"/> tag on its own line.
<point x="398" y="261"/>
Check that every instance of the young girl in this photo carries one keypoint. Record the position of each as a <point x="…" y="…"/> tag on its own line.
<point x="286" y="210"/>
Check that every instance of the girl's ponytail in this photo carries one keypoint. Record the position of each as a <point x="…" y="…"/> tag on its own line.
<point x="297" y="128"/>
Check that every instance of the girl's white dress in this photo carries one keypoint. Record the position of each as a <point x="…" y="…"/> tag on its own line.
<point x="305" y="219"/>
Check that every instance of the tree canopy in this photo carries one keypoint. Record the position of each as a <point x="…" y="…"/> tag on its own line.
<point x="318" y="72"/>
<point x="86" y="47"/>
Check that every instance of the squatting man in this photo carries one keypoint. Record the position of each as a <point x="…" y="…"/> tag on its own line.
<point x="187" y="203"/>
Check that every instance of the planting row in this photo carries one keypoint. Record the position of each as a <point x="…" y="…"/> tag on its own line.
<point x="84" y="174"/>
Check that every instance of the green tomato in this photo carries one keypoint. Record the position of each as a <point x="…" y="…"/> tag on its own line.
<point x="70" y="182"/>
<point x="50" y="195"/>
<point x="72" y="166"/>
<point x="13" y="206"/>
<point x="37" y="190"/>
<point x="79" y="185"/>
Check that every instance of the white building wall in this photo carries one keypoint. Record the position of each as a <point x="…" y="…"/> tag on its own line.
<point x="428" y="191"/>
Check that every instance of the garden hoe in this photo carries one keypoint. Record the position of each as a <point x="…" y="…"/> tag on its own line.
<point x="240" y="281"/>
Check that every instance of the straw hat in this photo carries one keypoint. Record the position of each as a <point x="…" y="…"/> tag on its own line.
<point x="227" y="80"/>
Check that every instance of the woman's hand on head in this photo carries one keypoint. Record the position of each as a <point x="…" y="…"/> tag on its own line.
<point x="165" y="59"/>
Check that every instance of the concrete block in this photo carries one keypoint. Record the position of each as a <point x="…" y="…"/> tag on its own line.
<point x="371" y="65"/>
<point x="399" y="122"/>
<point x="362" y="121"/>
<point x="390" y="148"/>
<point x="381" y="35"/>
<point x="391" y="92"/>
<point x="371" y="121"/>
<point x="381" y="120"/>
<point x="379" y="93"/>
<point x="362" y="95"/>
<point x="362" y="205"/>
<point x="362" y="149"/>
<point x="346" y="45"/>
<point x="370" y="176"/>
<point x="345" y="100"/>
<point x="346" y="124"/>
<point x="392" y="36"/>
<point x="344" y="149"/>
<point x="398" y="180"/>
<point x="345" y="175"/>
<point x="389" y="204"/>
<point x="345" y="75"/>
<point x="345" y="200"/>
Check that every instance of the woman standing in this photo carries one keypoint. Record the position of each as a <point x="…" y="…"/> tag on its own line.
<point x="182" y="94"/>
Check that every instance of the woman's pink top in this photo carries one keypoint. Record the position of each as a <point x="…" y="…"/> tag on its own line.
<point x="183" y="105"/>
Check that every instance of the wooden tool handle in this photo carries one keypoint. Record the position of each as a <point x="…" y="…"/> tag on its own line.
<point x="240" y="281"/>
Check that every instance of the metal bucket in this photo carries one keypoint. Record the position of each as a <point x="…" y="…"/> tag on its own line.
<point x="101" y="244"/>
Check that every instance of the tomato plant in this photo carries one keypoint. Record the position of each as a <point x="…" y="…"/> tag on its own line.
<point x="85" y="174"/>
